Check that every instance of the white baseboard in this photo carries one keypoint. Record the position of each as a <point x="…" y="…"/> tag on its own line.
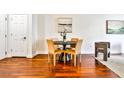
<point x="42" y="52"/>
<point x="2" y="58"/>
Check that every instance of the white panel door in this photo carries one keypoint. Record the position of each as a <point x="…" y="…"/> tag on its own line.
<point x="18" y="28"/>
<point x="2" y="36"/>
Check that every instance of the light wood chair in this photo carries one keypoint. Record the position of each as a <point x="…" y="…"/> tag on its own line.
<point x="75" y="52"/>
<point x="52" y="50"/>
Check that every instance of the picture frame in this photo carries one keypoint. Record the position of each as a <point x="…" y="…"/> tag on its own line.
<point x="64" y="25"/>
<point x="115" y="27"/>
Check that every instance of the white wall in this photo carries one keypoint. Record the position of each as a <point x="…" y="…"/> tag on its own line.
<point x="90" y="27"/>
<point x="34" y="33"/>
<point x="41" y="42"/>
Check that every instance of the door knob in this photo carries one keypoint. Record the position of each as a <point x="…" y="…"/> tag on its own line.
<point x="24" y="37"/>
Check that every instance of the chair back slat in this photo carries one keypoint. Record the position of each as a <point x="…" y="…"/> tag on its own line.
<point x="74" y="40"/>
<point x="101" y="45"/>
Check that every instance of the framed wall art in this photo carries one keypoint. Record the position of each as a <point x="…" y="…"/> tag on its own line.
<point x="64" y="24"/>
<point x="115" y="26"/>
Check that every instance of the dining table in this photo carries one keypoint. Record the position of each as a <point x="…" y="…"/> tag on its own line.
<point x="64" y="44"/>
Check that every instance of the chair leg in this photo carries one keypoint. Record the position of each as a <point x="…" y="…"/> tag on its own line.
<point x="54" y="57"/>
<point x="64" y="58"/>
<point x="96" y="52"/>
<point x="49" y="63"/>
<point x="80" y="58"/>
<point x="75" y="60"/>
<point x="105" y="56"/>
<point x="48" y="57"/>
<point x="109" y="54"/>
<point x="71" y="56"/>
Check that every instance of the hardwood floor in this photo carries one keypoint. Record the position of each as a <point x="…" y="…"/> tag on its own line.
<point x="38" y="67"/>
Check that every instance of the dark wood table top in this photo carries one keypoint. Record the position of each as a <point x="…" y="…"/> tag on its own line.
<point x="64" y="43"/>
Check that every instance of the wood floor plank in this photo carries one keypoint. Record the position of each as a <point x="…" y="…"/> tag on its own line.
<point x="38" y="67"/>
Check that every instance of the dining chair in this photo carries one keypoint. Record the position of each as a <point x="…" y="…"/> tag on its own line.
<point x="52" y="50"/>
<point x="75" y="52"/>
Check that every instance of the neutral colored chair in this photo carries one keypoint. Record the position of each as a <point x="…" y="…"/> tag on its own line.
<point x="75" y="52"/>
<point x="103" y="47"/>
<point x="52" y="50"/>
